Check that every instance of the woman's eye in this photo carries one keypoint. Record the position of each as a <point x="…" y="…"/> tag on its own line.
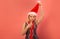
<point x="31" y="16"/>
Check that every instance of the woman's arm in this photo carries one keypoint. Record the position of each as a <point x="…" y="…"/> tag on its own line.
<point x="24" y="29"/>
<point x="42" y="14"/>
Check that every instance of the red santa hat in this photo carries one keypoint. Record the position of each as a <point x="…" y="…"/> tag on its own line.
<point x="34" y="10"/>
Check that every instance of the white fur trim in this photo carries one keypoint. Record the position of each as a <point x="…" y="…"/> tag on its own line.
<point x="32" y="13"/>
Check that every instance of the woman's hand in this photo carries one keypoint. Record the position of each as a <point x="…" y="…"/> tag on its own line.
<point x="39" y="2"/>
<point x="29" y="25"/>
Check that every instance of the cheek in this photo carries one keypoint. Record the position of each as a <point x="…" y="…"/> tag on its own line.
<point x="30" y="18"/>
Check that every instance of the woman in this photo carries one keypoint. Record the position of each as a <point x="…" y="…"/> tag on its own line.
<point x="30" y="26"/>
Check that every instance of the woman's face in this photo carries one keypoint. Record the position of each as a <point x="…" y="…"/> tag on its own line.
<point x="32" y="17"/>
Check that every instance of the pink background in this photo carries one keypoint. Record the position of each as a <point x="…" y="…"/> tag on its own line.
<point x="13" y="13"/>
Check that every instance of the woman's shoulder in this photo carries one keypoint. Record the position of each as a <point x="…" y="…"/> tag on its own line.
<point x="26" y="22"/>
